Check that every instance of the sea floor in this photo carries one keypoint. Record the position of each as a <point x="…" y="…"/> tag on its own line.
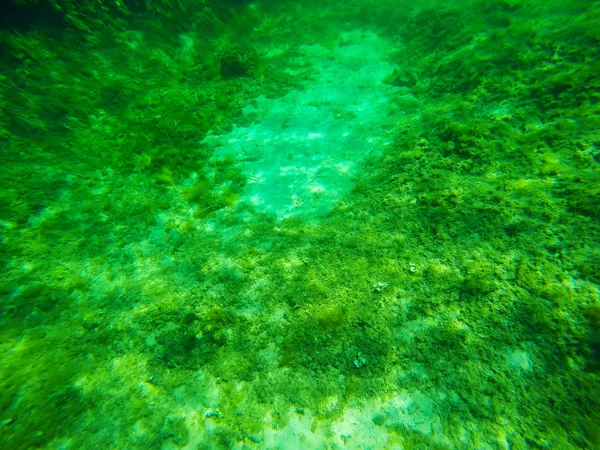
<point x="376" y="228"/>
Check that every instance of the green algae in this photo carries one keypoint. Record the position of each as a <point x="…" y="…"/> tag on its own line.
<point x="145" y="304"/>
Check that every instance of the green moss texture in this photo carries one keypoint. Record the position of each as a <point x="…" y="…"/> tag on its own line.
<point x="449" y="299"/>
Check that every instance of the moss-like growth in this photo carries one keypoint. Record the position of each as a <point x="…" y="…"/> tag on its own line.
<point x="462" y="267"/>
<point x="200" y="193"/>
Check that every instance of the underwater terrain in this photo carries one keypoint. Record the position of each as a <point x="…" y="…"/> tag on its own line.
<point x="228" y="224"/>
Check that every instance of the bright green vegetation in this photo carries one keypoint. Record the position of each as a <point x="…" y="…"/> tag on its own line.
<point x="145" y="304"/>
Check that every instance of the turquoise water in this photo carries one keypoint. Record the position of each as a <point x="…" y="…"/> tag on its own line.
<point x="278" y="225"/>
